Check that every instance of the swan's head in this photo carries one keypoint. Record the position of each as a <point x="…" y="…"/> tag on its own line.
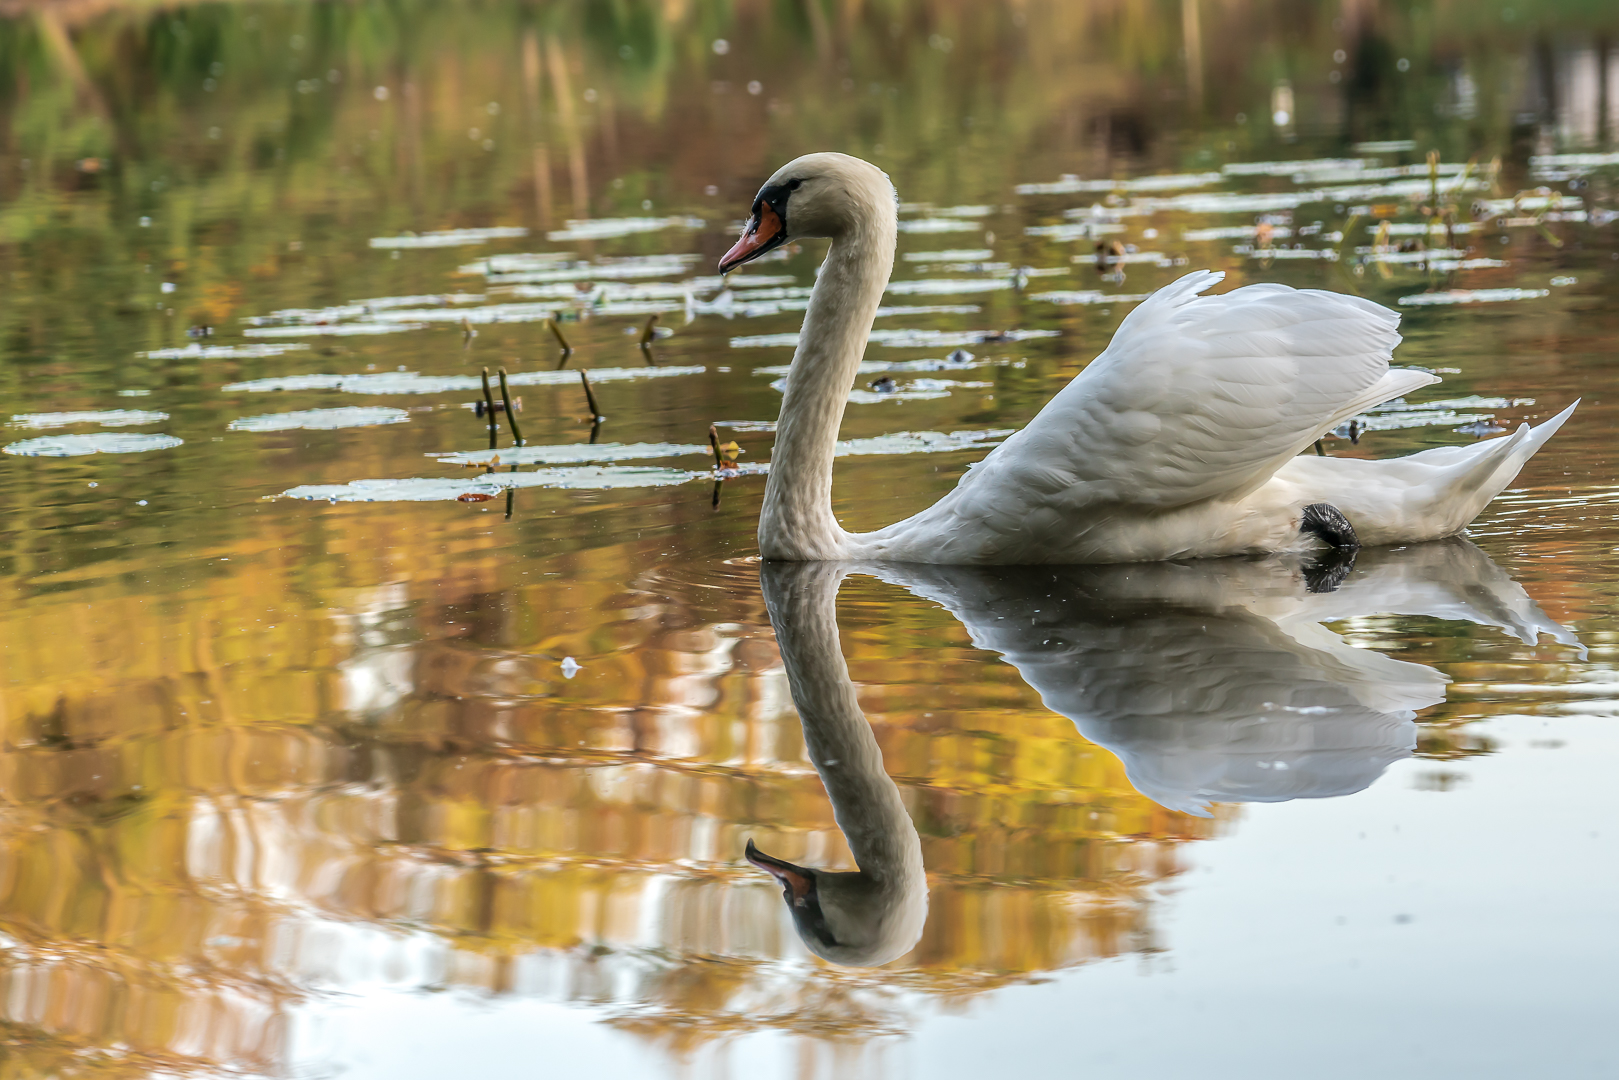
<point x="815" y="195"/>
<point x="851" y="918"/>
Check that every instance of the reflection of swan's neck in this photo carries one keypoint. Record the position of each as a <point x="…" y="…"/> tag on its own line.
<point x="877" y="913"/>
<point x="796" y="521"/>
<point x="836" y="734"/>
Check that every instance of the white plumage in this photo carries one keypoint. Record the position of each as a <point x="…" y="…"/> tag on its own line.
<point x="1182" y="439"/>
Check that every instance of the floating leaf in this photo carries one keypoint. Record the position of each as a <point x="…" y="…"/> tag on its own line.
<point x="108" y="442"/>
<point x="321" y="419"/>
<point x="448" y="237"/>
<point x="573" y="453"/>
<point x="1472" y="296"/>
<point x="410" y="382"/>
<point x="222" y="352"/>
<point x="437" y="489"/>
<point x="609" y="228"/>
<point x="104" y="418"/>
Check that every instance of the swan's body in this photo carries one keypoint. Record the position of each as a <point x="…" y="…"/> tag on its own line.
<point x="1180" y="440"/>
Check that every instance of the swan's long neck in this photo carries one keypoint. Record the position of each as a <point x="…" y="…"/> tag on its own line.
<point x="802" y="600"/>
<point x="796" y="522"/>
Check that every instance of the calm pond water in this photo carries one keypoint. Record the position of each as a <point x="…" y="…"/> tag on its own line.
<point x="329" y="751"/>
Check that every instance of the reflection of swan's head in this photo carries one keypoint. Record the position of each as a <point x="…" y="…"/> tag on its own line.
<point x="815" y="195"/>
<point x="849" y="918"/>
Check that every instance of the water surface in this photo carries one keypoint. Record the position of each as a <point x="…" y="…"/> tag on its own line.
<point x="333" y="744"/>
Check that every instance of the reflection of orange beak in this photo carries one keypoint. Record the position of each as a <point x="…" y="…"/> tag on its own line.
<point x="795" y="879"/>
<point x="762" y="233"/>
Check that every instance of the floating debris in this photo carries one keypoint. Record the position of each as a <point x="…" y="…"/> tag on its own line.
<point x="103" y="418"/>
<point x="1294" y="168"/>
<point x="1235" y="232"/>
<point x="915" y="390"/>
<point x="1300" y="254"/>
<point x="221" y="352"/>
<point x="1472" y="296"/>
<point x="939" y="225"/>
<point x="107" y="442"/>
<point x="611" y="228"/>
<point x="949" y="255"/>
<point x="349" y="416"/>
<point x="547" y="267"/>
<point x="921" y="442"/>
<point x="134" y="393"/>
<point x="927" y="309"/>
<point x="410" y="382"/>
<point x="1067" y="233"/>
<point x="906" y="339"/>
<point x="571" y="667"/>
<point x="449" y="237"/>
<point x="451" y="489"/>
<point x="884" y="385"/>
<point x="1070" y="184"/>
<point x="333" y="329"/>
<point x="1088" y="296"/>
<point x="475" y="496"/>
<point x="946" y="286"/>
<point x="1481" y="428"/>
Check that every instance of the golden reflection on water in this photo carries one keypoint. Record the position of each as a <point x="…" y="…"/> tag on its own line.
<point x="201" y="819"/>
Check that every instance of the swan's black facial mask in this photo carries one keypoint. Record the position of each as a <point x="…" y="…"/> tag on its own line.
<point x="766" y="228"/>
<point x="798" y="889"/>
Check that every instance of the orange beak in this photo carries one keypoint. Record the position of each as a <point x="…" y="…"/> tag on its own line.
<point x="795" y="880"/>
<point x="763" y="232"/>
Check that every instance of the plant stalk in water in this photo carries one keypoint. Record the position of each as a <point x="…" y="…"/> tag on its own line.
<point x="556" y="332"/>
<point x="511" y="413"/>
<point x="590" y="399"/>
<point x="489" y="410"/>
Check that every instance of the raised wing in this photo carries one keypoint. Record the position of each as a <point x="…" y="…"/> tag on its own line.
<point x="1197" y="397"/>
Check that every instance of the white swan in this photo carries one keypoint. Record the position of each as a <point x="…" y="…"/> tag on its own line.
<point x="1182" y="439"/>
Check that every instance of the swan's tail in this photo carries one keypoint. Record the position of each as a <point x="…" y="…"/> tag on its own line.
<point x="1432" y="494"/>
<point x="1482" y="471"/>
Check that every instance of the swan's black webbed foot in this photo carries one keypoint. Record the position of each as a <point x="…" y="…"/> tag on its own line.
<point x="1328" y="522"/>
<point x="1327" y="571"/>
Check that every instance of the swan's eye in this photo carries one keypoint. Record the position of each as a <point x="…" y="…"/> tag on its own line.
<point x="794" y="185"/>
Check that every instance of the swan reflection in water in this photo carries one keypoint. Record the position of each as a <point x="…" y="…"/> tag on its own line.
<point x="1212" y="681"/>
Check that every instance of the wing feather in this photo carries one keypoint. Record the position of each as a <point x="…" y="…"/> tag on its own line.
<point x="1196" y="397"/>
